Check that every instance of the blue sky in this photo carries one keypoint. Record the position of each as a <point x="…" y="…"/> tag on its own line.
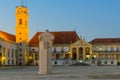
<point x="89" y="18"/>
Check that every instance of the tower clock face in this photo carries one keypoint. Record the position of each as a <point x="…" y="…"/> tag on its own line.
<point x="19" y="10"/>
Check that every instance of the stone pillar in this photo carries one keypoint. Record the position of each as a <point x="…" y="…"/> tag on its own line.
<point x="84" y="54"/>
<point x="78" y="54"/>
<point x="45" y="52"/>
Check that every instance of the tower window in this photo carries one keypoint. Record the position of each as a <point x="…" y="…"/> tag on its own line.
<point x="20" y="21"/>
<point x="20" y="33"/>
<point x="20" y="39"/>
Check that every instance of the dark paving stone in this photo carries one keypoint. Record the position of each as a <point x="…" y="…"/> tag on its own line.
<point x="108" y="76"/>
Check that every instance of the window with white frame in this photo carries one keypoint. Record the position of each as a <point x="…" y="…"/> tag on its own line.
<point x="112" y="48"/>
<point x="12" y="52"/>
<point x="115" y="49"/>
<point x="106" y="48"/>
<point x="97" y="49"/>
<point x="66" y="49"/>
<point x="8" y="61"/>
<point x="103" y="49"/>
<point x="12" y="62"/>
<point x="119" y="48"/>
<point x="53" y="49"/>
<point x="8" y="53"/>
<point x="109" y="48"/>
<point x="58" y="49"/>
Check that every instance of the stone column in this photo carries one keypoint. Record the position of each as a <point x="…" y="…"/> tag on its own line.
<point x="84" y="54"/>
<point x="78" y="54"/>
<point x="45" y="52"/>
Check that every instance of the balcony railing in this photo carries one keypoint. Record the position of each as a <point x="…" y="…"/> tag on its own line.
<point x="106" y="51"/>
<point x="59" y="52"/>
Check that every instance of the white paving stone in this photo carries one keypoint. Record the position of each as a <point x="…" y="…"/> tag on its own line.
<point x="61" y="73"/>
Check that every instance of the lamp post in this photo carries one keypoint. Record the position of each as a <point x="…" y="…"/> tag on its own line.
<point x="30" y="60"/>
<point x="30" y="57"/>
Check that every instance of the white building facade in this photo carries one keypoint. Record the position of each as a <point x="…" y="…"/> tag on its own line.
<point x="8" y="52"/>
<point x="107" y="51"/>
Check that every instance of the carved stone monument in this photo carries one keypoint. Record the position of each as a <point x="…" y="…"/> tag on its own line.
<point x="45" y="48"/>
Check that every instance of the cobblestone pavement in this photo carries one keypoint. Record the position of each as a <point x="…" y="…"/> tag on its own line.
<point x="61" y="73"/>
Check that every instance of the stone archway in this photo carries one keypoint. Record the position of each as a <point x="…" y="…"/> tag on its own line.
<point x="74" y="53"/>
<point x="81" y="53"/>
<point x="118" y="62"/>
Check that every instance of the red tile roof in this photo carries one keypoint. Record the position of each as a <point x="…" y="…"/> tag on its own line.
<point x="105" y="40"/>
<point x="61" y="37"/>
<point x="7" y="36"/>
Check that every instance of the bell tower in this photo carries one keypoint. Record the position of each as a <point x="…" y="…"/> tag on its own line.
<point x="22" y="29"/>
<point x="22" y="32"/>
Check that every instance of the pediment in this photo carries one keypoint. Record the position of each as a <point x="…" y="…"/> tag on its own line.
<point x="80" y="43"/>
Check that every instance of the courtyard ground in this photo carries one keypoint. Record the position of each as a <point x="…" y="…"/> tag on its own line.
<point x="61" y="73"/>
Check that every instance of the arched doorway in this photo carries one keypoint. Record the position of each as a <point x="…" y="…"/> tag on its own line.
<point x="118" y="62"/>
<point x="81" y="53"/>
<point x="74" y="53"/>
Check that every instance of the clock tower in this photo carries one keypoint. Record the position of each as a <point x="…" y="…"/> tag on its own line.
<point x="22" y="32"/>
<point x="22" y="29"/>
